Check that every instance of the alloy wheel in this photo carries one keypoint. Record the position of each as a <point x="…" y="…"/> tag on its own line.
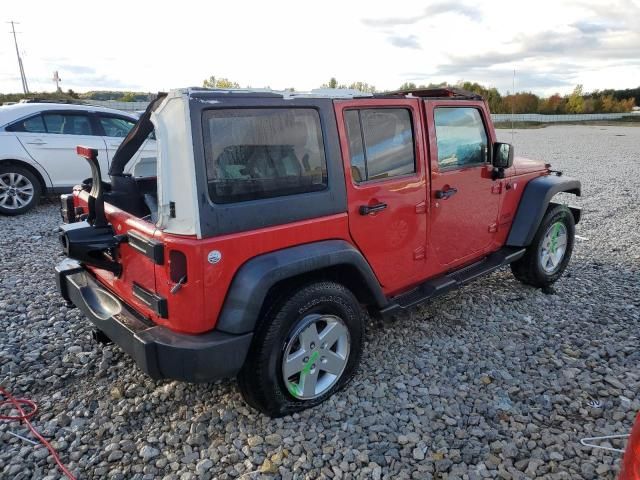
<point x="16" y="190"/>
<point x="315" y="356"/>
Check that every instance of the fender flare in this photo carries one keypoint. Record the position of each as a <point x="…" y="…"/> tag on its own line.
<point x="254" y="278"/>
<point x="534" y="203"/>
<point x="41" y="174"/>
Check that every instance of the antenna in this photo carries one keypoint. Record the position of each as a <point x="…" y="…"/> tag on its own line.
<point x="23" y="77"/>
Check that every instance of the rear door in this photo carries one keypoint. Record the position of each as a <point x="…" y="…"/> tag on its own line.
<point x="465" y="198"/>
<point x="384" y="160"/>
<point x="54" y="146"/>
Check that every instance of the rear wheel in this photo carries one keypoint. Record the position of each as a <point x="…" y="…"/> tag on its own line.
<point x="549" y="253"/>
<point x="19" y="190"/>
<point x="306" y="348"/>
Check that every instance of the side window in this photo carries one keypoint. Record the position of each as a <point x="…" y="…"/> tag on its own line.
<point x="461" y="137"/>
<point x="262" y="153"/>
<point x="380" y="143"/>
<point x="31" y="124"/>
<point x="67" y="123"/>
<point x="115" y="127"/>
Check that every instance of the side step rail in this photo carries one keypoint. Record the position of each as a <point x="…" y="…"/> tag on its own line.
<point x="447" y="282"/>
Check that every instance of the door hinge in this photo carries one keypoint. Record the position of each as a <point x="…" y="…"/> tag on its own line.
<point x="421" y="208"/>
<point x="172" y="209"/>
<point x="419" y="253"/>
<point x="493" y="228"/>
<point x="497" y="188"/>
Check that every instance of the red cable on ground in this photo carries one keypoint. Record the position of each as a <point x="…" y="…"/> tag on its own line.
<point x="18" y="403"/>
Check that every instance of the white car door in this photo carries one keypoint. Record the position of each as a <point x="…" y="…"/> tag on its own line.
<point x="55" y="147"/>
<point x="143" y="162"/>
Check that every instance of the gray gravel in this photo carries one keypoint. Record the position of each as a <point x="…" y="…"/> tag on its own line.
<point x="497" y="380"/>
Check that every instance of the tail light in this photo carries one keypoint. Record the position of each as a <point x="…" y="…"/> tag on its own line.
<point x="67" y="210"/>
<point x="177" y="267"/>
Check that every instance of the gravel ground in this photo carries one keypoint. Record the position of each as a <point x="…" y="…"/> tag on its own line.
<point x="497" y="380"/>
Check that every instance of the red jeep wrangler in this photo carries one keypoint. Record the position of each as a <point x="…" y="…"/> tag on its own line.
<point x="277" y="221"/>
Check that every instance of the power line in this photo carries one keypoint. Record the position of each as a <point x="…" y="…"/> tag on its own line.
<point x="23" y="77"/>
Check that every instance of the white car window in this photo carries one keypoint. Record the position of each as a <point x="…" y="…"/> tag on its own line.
<point x="116" y="127"/>
<point x="32" y="125"/>
<point x="67" y="124"/>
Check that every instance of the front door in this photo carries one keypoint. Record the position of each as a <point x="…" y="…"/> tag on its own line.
<point x="384" y="159"/>
<point x="464" y="197"/>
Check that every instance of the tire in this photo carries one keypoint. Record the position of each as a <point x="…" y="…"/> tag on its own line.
<point x="20" y="190"/>
<point x="283" y="333"/>
<point x="537" y="269"/>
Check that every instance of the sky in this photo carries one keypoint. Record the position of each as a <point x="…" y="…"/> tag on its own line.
<point x="154" y="46"/>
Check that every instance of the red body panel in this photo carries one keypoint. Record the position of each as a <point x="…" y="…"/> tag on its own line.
<point x="196" y="306"/>
<point x="631" y="462"/>
<point x="415" y="238"/>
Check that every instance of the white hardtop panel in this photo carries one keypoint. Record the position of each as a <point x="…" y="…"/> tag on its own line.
<point x="176" y="166"/>
<point x="338" y="93"/>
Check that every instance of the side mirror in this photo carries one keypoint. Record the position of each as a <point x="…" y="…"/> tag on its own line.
<point x="502" y="155"/>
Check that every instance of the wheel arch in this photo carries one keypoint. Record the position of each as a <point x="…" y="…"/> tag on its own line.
<point x="30" y="168"/>
<point x="263" y="279"/>
<point x="534" y="203"/>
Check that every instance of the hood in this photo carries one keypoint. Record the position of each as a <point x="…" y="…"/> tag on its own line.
<point x="526" y="165"/>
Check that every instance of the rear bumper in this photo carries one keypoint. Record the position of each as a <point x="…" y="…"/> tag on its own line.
<point x="158" y="351"/>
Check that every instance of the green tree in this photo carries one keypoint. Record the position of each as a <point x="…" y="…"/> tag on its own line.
<point x="408" y="86"/>
<point x="363" y="87"/>
<point x="575" y="103"/>
<point x="128" y="97"/>
<point x="213" y="82"/>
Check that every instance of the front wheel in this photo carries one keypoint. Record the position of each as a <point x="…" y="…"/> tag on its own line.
<point x="549" y="253"/>
<point x="306" y="348"/>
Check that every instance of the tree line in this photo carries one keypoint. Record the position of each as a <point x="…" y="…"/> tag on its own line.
<point x="598" y="101"/>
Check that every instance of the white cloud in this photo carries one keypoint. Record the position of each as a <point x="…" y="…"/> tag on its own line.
<point x="552" y="45"/>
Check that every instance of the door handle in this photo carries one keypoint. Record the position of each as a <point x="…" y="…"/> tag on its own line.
<point x="366" y="209"/>
<point x="39" y="142"/>
<point x="444" y="194"/>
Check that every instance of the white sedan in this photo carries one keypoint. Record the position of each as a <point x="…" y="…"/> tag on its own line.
<point x="38" y="149"/>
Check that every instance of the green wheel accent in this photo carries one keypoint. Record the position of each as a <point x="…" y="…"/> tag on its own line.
<point x="294" y="388"/>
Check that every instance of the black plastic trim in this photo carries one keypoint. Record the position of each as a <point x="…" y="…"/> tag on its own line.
<point x="452" y="280"/>
<point x="158" y="351"/>
<point x="149" y="247"/>
<point x="534" y="203"/>
<point x="253" y="280"/>
<point x="155" y="302"/>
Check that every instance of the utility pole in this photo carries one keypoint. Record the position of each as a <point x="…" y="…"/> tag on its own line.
<point x="23" y="77"/>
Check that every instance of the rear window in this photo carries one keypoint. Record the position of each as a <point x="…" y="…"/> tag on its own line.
<point x="262" y="153"/>
<point x="31" y="125"/>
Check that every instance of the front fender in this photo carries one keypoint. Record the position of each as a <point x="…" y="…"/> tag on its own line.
<point x="254" y="279"/>
<point x="534" y="203"/>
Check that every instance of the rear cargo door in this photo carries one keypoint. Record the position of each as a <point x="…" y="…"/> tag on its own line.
<point x="383" y="154"/>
